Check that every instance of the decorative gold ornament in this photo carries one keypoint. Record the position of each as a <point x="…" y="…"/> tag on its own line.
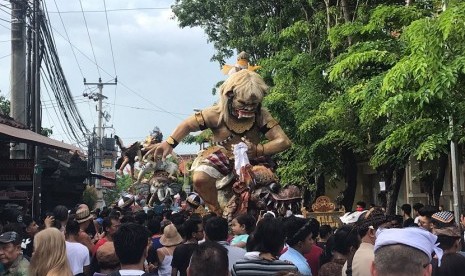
<point x="240" y="126"/>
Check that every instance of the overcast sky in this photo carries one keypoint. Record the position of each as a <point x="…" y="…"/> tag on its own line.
<point x="164" y="72"/>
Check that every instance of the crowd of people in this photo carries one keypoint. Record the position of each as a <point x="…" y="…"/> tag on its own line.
<point x="116" y="241"/>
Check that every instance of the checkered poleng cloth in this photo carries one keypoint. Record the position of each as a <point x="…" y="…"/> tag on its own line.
<point x="219" y="161"/>
<point x="444" y="216"/>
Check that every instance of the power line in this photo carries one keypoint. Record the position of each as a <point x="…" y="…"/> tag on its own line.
<point x="5" y="27"/>
<point x="9" y="13"/>
<point x="119" y="81"/>
<point x="66" y="32"/>
<point x="88" y="34"/>
<point x="5" y="56"/>
<point x="116" y="10"/>
<point x="4" y="20"/>
<point x="149" y="109"/>
<point x="53" y="73"/>
<point x="109" y="37"/>
<point x="67" y="130"/>
<point x="113" y="58"/>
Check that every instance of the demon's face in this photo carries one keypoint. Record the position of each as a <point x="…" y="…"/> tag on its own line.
<point x="244" y="107"/>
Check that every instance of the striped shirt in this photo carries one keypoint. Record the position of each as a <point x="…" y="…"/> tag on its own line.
<point x="261" y="267"/>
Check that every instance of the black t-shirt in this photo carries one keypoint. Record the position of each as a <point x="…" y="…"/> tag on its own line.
<point x="182" y="256"/>
<point x="409" y="223"/>
<point x="27" y="252"/>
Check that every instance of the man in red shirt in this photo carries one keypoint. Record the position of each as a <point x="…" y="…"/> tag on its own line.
<point x="110" y="224"/>
<point x="313" y="257"/>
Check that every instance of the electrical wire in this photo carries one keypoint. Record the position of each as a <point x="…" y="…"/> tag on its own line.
<point x="119" y="81"/>
<point x="90" y="40"/>
<point x="9" y="13"/>
<point x="113" y="58"/>
<point x="68" y="96"/>
<point x="66" y="130"/>
<point x="53" y="121"/>
<point x="117" y="10"/>
<point x="109" y="37"/>
<point x="55" y="77"/>
<point x="66" y="32"/>
<point x="5" y="27"/>
<point x="5" y="56"/>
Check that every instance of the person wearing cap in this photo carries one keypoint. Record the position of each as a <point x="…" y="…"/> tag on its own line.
<point x="448" y="233"/>
<point x="11" y="257"/>
<point x="449" y="242"/>
<point x="406" y="251"/>
<point x="170" y="240"/>
<point x="84" y="218"/>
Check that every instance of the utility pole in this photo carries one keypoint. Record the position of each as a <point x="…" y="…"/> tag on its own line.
<point x="18" y="71"/>
<point x="36" y="121"/>
<point x="98" y="147"/>
<point x="456" y="191"/>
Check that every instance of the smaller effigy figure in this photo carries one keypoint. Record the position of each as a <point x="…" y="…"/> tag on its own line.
<point x="148" y="163"/>
<point x="241" y="64"/>
<point x="129" y="156"/>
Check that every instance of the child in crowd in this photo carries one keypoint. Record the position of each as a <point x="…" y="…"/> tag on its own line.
<point x="241" y="227"/>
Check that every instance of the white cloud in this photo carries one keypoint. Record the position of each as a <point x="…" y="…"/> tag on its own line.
<point x="167" y="66"/>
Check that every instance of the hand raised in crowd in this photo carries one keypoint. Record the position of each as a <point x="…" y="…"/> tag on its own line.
<point x="49" y="220"/>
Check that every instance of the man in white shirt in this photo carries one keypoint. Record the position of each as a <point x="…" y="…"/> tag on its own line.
<point x="78" y="254"/>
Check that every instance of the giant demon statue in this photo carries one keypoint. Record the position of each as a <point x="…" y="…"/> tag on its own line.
<point x="238" y="117"/>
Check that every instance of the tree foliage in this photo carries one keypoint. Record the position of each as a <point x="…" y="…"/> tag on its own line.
<point x="376" y="81"/>
<point x="4" y="105"/>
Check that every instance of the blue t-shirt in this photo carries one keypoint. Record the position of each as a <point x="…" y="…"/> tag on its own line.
<point x="298" y="260"/>
<point x="239" y="238"/>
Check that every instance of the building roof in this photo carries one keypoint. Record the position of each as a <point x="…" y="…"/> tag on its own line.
<point x="17" y="132"/>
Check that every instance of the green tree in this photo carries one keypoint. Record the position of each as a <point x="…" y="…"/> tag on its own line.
<point x="5" y="110"/>
<point x="4" y="105"/>
<point x="408" y="87"/>
<point x="395" y="72"/>
<point x="89" y="196"/>
<point x="123" y="183"/>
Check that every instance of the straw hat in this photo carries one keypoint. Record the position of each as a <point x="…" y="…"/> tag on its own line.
<point x="170" y="236"/>
<point x="83" y="214"/>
